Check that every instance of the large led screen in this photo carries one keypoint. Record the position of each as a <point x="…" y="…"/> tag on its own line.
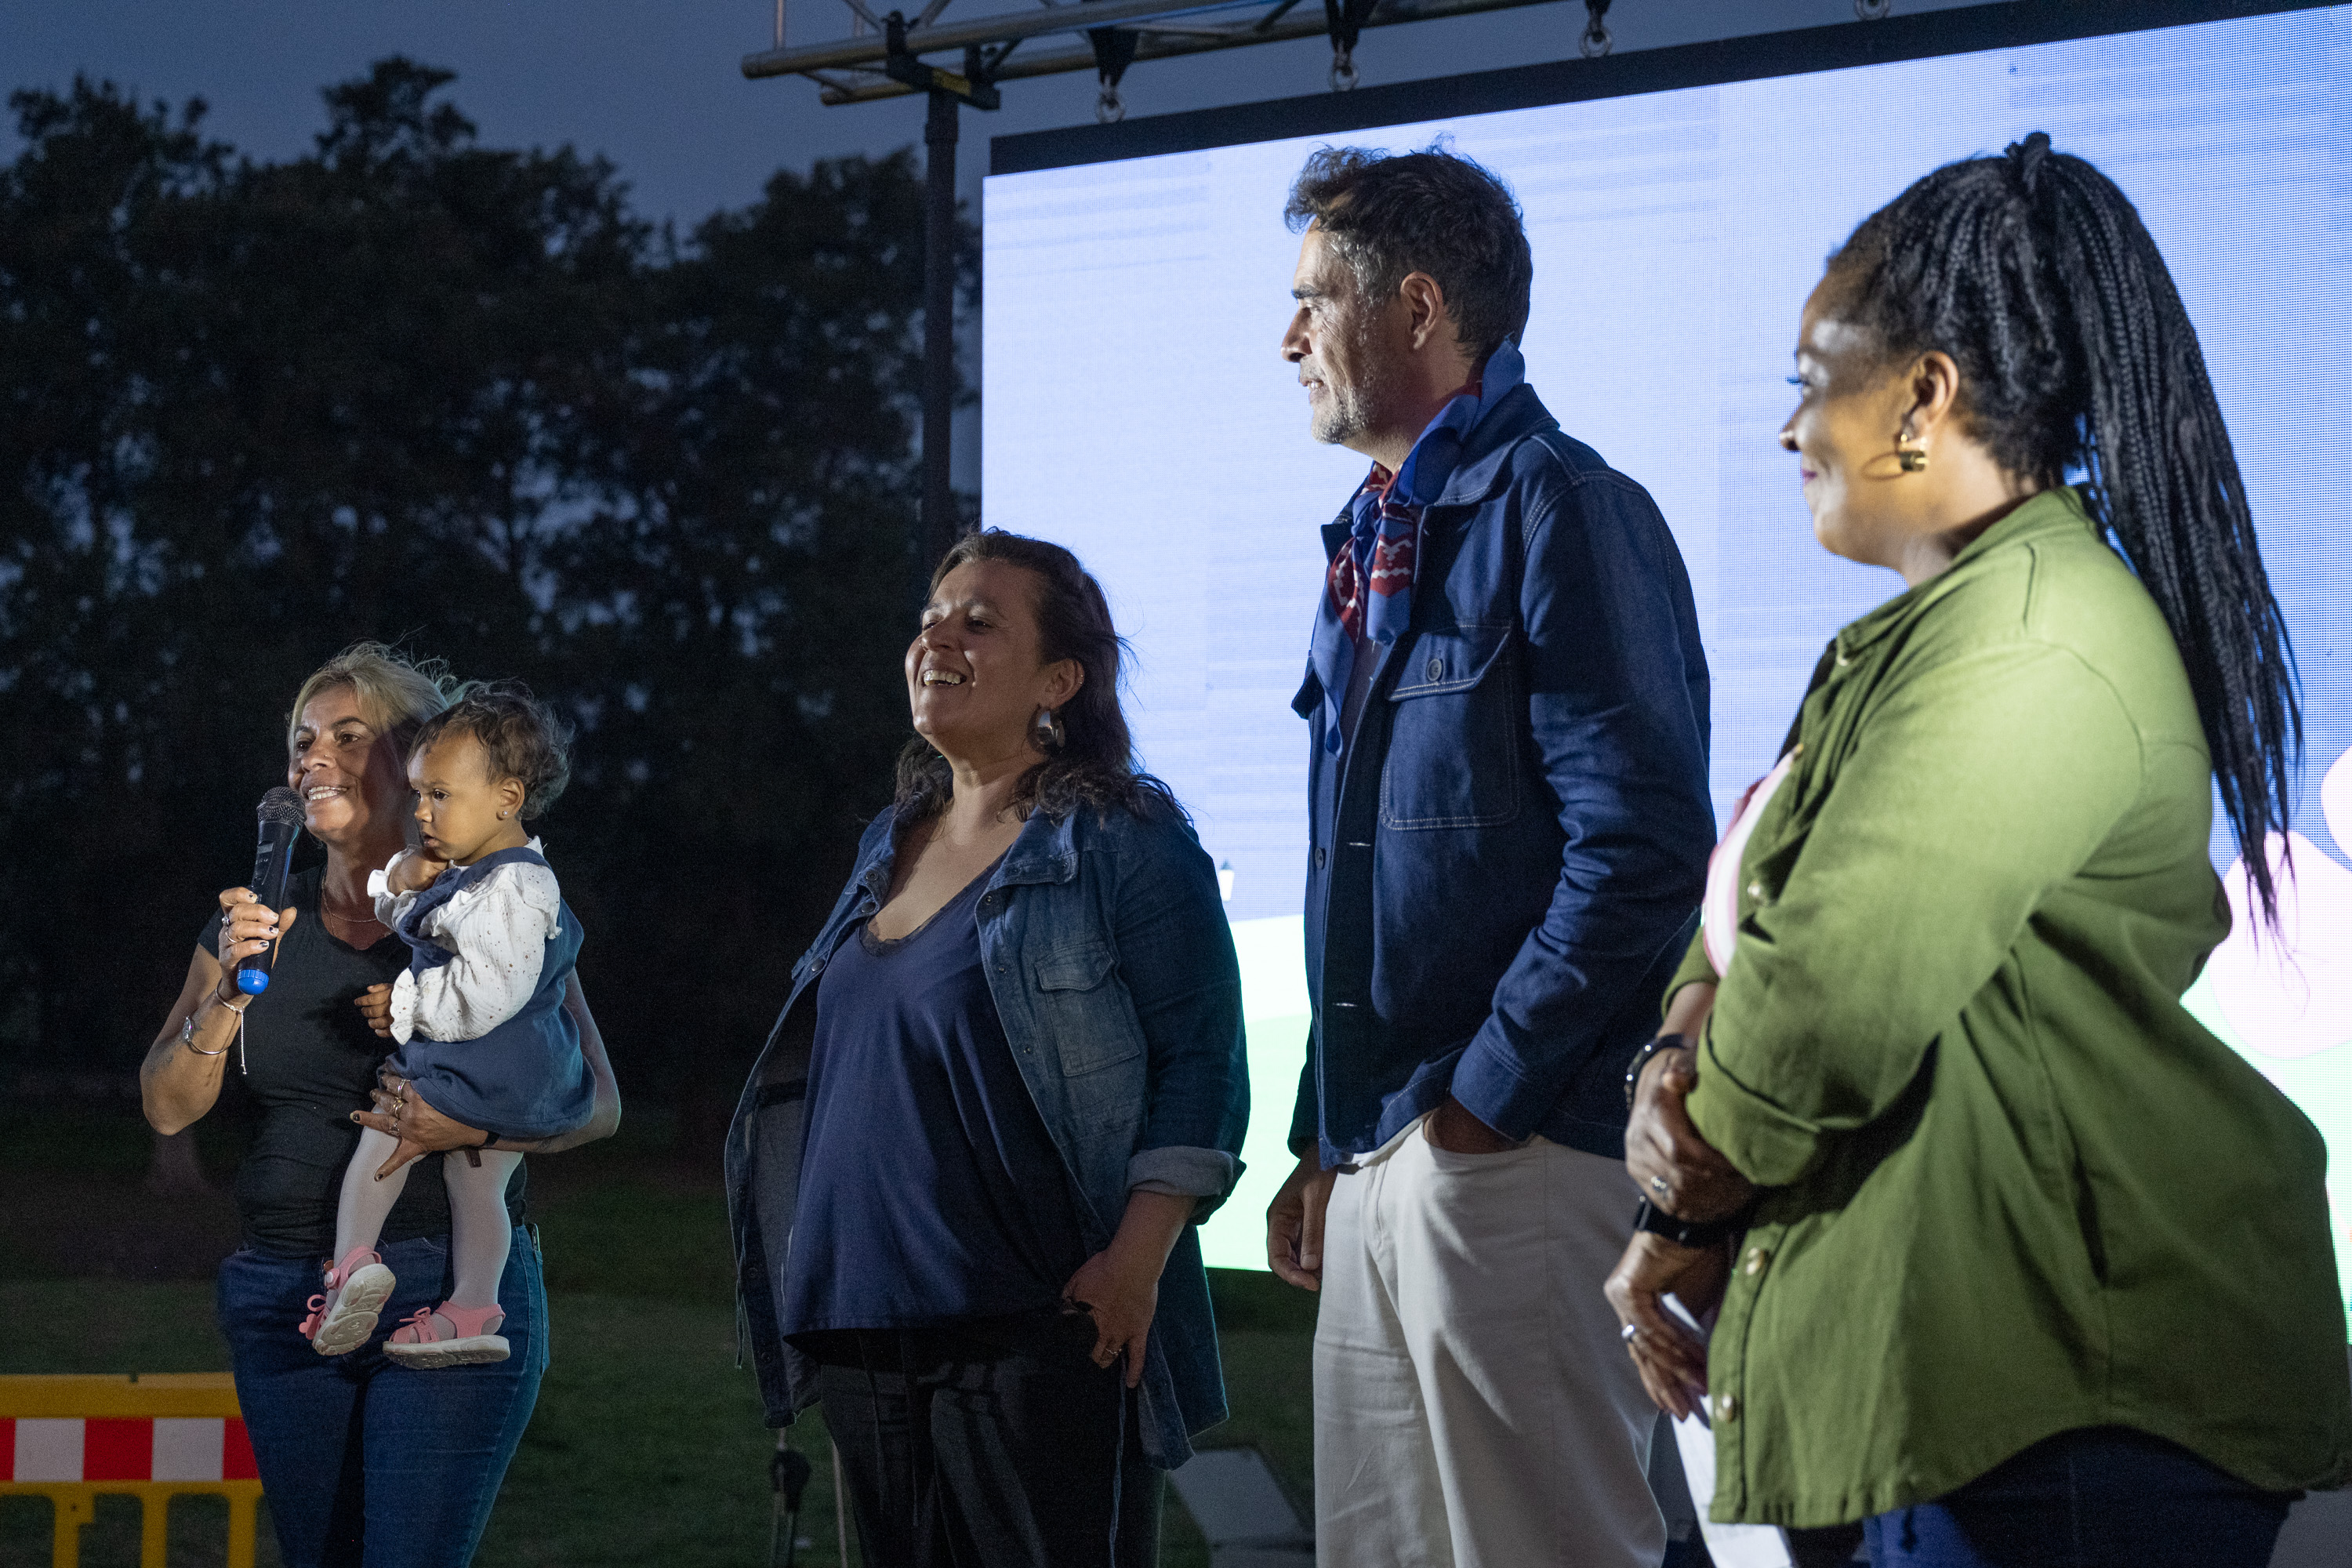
<point x="1134" y="410"/>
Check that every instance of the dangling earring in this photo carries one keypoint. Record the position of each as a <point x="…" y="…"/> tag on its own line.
<point x="1912" y="458"/>
<point x="1051" y="736"/>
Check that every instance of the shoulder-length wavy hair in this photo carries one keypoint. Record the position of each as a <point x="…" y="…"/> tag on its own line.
<point x="1094" y="764"/>
<point x="395" y="693"/>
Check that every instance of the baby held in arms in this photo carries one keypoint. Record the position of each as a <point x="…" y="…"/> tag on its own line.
<point x="478" y="1017"/>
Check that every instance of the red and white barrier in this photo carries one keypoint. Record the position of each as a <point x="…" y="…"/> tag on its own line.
<point x="125" y="1448"/>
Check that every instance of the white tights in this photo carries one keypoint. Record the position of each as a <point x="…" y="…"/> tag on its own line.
<point x="480" y="1233"/>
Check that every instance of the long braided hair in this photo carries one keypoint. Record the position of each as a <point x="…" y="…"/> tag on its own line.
<point x="2034" y="273"/>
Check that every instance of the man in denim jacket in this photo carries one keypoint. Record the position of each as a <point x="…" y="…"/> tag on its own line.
<point x="1507" y="706"/>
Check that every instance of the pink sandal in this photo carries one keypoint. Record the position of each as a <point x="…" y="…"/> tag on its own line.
<point x="418" y="1342"/>
<point x="357" y="1289"/>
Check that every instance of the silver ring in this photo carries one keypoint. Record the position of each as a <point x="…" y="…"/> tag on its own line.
<point x="1631" y="1333"/>
<point x="1658" y="1185"/>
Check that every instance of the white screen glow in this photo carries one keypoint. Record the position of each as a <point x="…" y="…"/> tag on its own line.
<point x="1135" y="410"/>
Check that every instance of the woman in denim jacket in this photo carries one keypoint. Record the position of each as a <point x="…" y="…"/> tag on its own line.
<point x="964" y="1211"/>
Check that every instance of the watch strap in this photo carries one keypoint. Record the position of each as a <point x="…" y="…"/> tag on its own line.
<point x="1642" y="1059"/>
<point x="1690" y="1233"/>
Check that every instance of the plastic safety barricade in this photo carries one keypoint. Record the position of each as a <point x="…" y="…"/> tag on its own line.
<point x="71" y="1439"/>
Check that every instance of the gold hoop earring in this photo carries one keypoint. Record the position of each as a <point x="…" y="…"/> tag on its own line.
<point x="1914" y="458"/>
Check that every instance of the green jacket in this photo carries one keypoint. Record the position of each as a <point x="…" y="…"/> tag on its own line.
<point x="2010" y="1187"/>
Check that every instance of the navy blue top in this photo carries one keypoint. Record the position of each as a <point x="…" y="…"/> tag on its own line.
<point x="929" y="1188"/>
<point x="525" y="1079"/>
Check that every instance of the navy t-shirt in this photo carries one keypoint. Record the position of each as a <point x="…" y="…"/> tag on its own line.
<point x="929" y="1188"/>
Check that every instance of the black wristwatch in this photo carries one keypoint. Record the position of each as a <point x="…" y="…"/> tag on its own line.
<point x="1691" y="1233"/>
<point x="1642" y="1059"/>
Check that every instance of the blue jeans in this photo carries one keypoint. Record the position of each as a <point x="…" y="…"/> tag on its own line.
<point x="2104" y="1497"/>
<point x="368" y="1463"/>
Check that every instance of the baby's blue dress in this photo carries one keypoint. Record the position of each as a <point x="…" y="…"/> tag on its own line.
<point x="525" y="1079"/>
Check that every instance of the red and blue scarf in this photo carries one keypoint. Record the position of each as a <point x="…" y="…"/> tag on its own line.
<point x="1368" y="589"/>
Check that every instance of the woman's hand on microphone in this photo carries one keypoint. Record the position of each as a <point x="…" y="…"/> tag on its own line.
<point x="247" y="927"/>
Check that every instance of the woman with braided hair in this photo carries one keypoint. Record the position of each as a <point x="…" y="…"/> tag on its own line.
<point x="2012" y="1260"/>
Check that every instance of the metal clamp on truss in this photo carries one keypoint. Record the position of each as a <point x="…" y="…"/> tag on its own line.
<point x="1344" y="20"/>
<point x="973" y="86"/>
<point x="1594" y="41"/>
<point x="1113" y="52"/>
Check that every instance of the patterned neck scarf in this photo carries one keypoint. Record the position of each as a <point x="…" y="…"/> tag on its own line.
<point x="1368" y="589"/>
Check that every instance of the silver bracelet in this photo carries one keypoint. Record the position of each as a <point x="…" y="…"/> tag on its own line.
<point x="188" y="1034"/>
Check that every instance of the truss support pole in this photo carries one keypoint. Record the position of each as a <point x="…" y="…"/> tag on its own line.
<point x="936" y="527"/>
<point x="938" y="523"/>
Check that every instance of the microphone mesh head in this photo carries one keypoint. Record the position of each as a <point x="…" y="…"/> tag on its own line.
<point x="280" y="804"/>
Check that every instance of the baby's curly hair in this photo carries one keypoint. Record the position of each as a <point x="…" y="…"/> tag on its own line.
<point x="521" y="735"/>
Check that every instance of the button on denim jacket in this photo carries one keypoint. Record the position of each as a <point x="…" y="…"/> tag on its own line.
<point x="1112" y="967"/>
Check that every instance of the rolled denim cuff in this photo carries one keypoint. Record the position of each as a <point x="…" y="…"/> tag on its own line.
<point x="1489" y="1084"/>
<point x="1184" y="1172"/>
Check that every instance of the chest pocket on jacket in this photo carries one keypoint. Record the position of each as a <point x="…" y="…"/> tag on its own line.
<point x="1453" y="747"/>
<point x="1085" y="1010"/>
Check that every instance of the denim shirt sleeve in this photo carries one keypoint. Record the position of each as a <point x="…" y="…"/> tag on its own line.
<point x="1176" y="956"/>
<point x="1621" y="743"/>
<point x="1306" y="1111"/>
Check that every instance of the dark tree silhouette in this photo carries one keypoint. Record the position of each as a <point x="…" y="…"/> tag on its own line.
<point x="412" y="388"/>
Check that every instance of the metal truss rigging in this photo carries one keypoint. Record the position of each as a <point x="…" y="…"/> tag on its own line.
<point x="1112" y="35"/>
<point x="884" y="58"/>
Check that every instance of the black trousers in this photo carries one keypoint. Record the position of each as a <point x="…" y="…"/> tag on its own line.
<point x="989" y="1443"/>
<point x="1832" y="1546"/>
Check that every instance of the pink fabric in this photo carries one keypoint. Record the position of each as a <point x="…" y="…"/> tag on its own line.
<point x="1719" y="911"/>
<point x="2289" y="994"/>
<point x="470" y="1322"/>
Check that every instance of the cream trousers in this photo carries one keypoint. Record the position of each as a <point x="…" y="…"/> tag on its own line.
<point x="1473" y="1407"/>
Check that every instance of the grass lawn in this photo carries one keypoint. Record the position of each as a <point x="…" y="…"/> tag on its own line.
<point x="646" y="1445"/>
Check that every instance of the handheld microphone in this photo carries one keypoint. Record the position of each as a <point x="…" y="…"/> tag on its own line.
<point x="280" y="814"/>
